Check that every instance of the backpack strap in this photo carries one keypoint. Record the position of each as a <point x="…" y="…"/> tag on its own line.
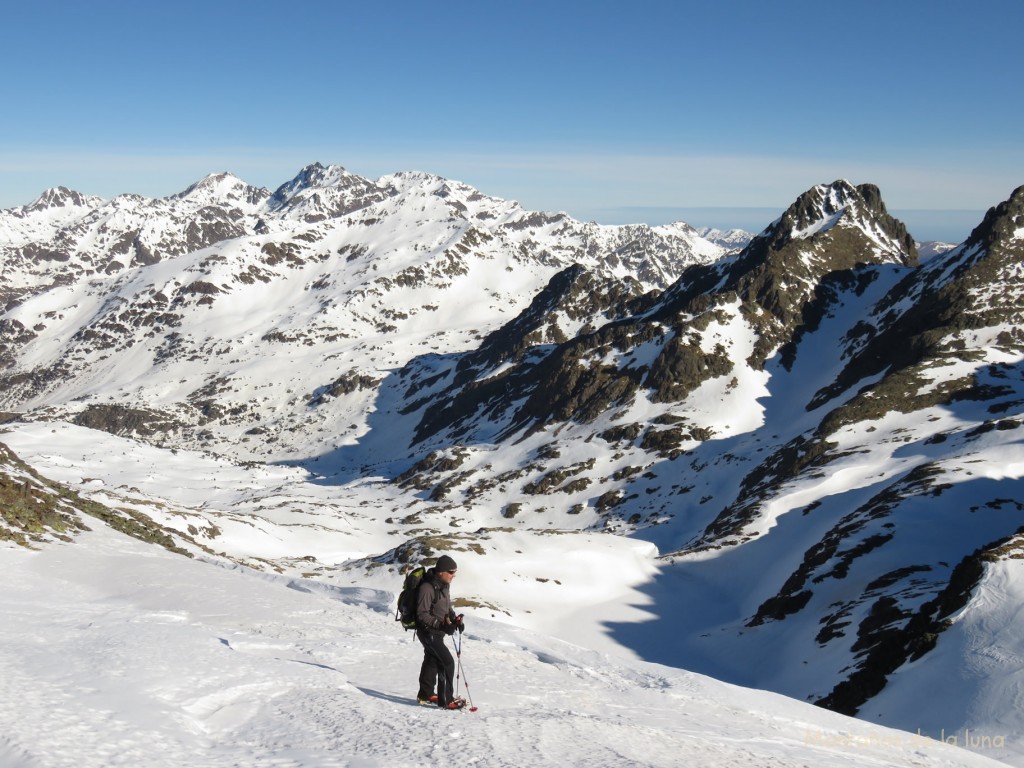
<point x="428" y="582"/>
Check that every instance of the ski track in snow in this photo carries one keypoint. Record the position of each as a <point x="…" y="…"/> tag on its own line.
<point x="116" y="654"/>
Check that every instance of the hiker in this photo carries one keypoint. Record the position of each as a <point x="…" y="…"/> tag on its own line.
<point x="435" y="619"/>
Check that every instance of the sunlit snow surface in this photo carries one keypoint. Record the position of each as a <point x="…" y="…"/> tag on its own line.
<point x="119" y="653"/>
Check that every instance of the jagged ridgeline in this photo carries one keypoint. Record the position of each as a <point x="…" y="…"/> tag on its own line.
<point x="821" y="428"/>
<point x="777" y="288"/>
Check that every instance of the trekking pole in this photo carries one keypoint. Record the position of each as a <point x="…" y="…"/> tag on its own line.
<point x="461" y="672"/>
<point x="458" y="669"/>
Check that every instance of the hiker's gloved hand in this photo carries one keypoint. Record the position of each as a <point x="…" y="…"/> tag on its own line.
<point x="460" y="624"/>
<point x="449" y="628"/>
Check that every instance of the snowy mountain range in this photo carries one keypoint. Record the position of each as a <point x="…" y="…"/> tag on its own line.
<point x="791" y="463"/>
<point x="730" y="239"/>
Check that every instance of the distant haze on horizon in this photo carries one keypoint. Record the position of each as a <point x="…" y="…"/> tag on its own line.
<point x="923" y="225"/>
<point x="608" y="112"/>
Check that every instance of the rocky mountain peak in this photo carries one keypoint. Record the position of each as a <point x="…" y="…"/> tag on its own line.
<point x="460" y="199"/>
<point x="819" y="205"/>
<point x="404" y="180"/>
<point x="321" y="192"/>
<point x="60" y="197"/>
<point x="316" y="176"/>
<point x="1004" y="222"/>
<point x="831" y="227"/>
<point x="224" y="189"/>
<point x="310" y="176"/>
<point x="783" y="275"/>
<point x="841" y="204"/>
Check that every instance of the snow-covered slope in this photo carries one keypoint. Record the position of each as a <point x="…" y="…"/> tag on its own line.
<point x="809" y="449"/>
<point x="178" y="662"/>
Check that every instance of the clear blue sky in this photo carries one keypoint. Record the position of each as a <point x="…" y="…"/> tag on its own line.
<point x="612" y="111"/>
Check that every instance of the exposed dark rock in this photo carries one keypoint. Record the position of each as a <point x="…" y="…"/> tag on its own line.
<point x="353" y="381"/>
<point x="125" y="421"/>
<point x="855" y="535"/>
<point x="889" y="637"/>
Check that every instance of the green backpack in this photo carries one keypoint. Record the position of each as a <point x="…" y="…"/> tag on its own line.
<point x="406" y="611"/>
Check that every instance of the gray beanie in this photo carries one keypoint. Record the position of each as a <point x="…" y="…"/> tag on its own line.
<point x="445" y="563"/>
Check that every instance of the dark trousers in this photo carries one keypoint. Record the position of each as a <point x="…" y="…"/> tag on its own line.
<point x="438" y="667"/>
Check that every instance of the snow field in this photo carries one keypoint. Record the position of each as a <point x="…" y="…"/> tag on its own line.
<point x="120" y="654"/>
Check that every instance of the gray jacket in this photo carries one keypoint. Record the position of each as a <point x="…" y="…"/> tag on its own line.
<point x="433" y="603"/>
